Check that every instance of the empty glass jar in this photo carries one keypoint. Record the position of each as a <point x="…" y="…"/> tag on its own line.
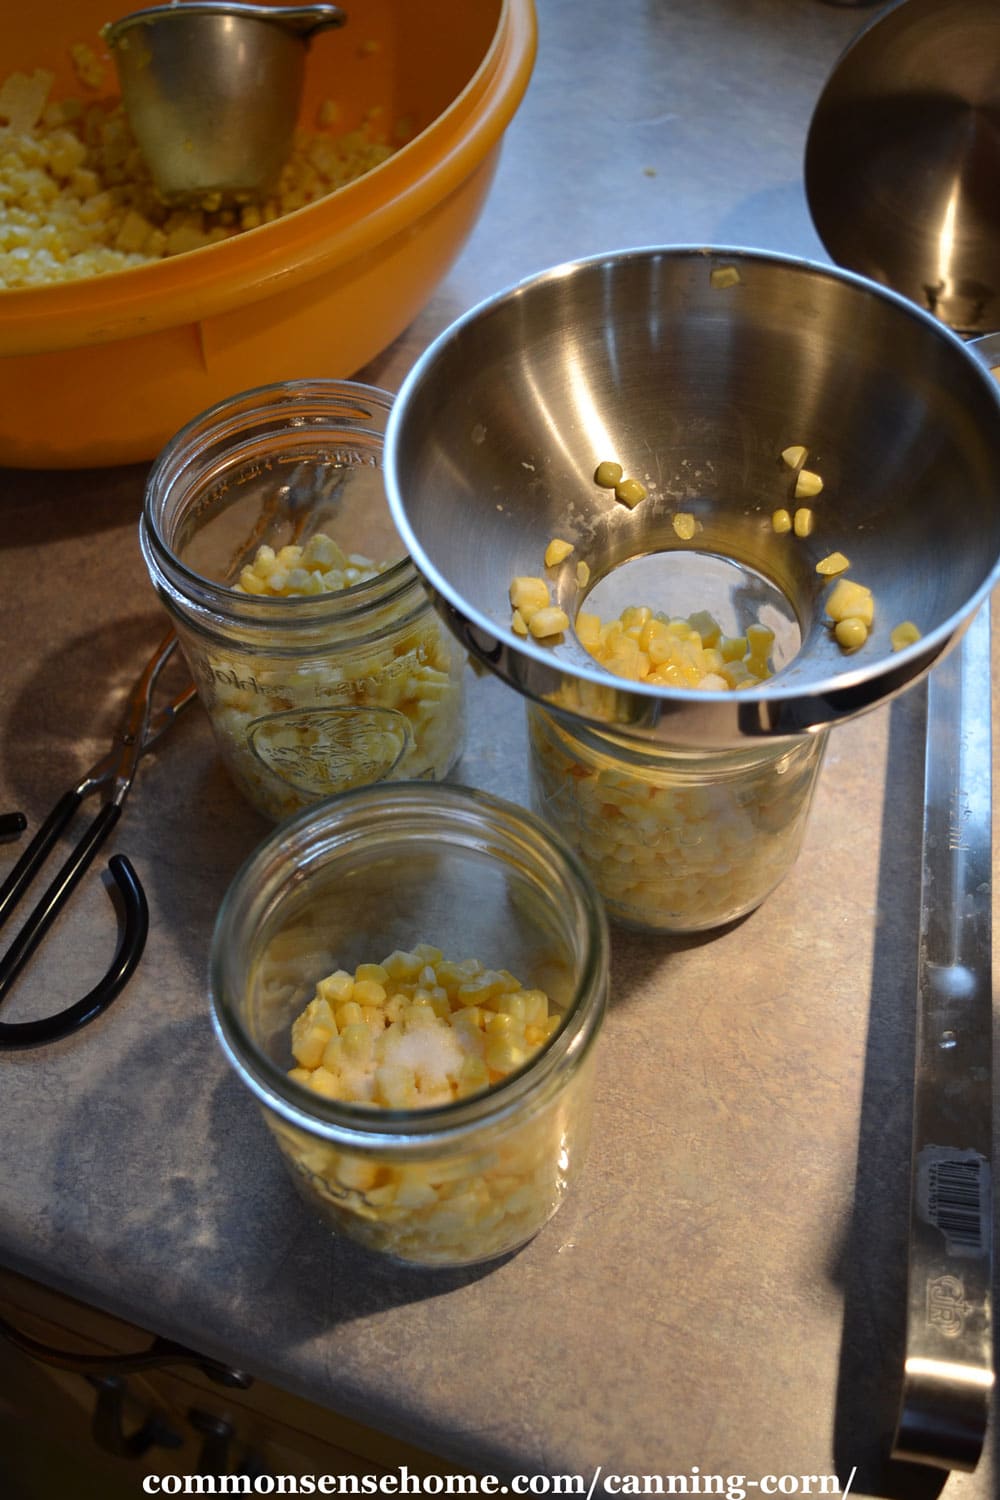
<point x="307" y="629"/>
<point x="675" y="841"/>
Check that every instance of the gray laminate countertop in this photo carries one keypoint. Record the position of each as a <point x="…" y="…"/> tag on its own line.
<point x="723" y="1291"/>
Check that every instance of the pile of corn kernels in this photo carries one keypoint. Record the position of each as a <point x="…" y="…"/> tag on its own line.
<point x="670" y="848"/>
<point x="77" y="200"/>
<point x="415" y="1031"/>
<point x="684" y="653"/>
<point x="292" y="731"/>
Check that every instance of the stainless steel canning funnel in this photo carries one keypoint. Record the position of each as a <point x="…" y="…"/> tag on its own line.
<point x="212" y="90"/>
<point x="694" y="368"/>
<point x="903" y="158"/>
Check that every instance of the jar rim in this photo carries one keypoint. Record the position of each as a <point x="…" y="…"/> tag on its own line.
<point x="654" y="756"/>
<point x="366" y="812"/>
<point x="343" y="401"/>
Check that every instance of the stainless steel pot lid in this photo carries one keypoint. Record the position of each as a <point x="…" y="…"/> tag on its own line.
<point x="902" y="158"/>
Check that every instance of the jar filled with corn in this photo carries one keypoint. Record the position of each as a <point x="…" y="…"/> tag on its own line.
<point x="676" y="841"/>
<point x="411" y="980"/>
<point x="308" y="631"/>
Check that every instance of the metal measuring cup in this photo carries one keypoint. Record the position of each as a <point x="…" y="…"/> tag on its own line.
<point x="212" y="90"/>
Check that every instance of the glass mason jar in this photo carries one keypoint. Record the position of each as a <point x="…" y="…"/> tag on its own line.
<point x="675" y="841"/>
<point x="370" y="876"/>
<point x="308" y="693"/>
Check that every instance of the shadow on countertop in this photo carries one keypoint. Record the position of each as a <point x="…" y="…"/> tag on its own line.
<point x="38" y="506"/>
<point x="74" y="702"/>
<point x="235" y="1266"/>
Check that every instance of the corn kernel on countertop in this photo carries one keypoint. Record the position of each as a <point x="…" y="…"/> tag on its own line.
<point x="722" y="1285"/>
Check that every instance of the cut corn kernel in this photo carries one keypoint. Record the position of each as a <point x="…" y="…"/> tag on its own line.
<point x="557" y="551"/>
<point x="904" y="635"/>
<point x="760" y="639"/>
<point x="369" y="991"/>
<point x="795" y="455"/>
<point x="803" y="521"/>
<point x="832" y="564"/>
<point x="849" y="600"/>
<point x="401" y="966"/>
<point x="721" y="277"/>
<point x="548" y="622"/>
<point x="707" y="627"/>
<point x="608" y="474"/>
<point x="684" y="525"/>
<point x="630" y="492"/>
<point x="582" y="574"/>
<point x="529" y="595"/>
<point x="337" y="988"/>
<point x="807" y="484"/>
<point x="22" y="98"/>
<point x="850" y="633"/>
<point x="588" y="629"/>
<point x="781" y="521"/>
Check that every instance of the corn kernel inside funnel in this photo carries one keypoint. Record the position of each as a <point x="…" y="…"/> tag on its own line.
<point x="687" y="652"/>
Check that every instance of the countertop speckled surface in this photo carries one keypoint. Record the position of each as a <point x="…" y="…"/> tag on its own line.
<point x="724" y="1289"/>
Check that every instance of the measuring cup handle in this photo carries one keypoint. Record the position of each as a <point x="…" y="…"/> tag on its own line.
<point x="302" y="20"/>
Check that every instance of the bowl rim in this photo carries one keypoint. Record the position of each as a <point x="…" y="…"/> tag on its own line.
<point x="233" y="273"/>
<point x="770" y="709"/>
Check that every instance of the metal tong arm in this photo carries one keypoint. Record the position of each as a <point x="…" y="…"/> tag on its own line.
<point x="138" y="729"/>
<point x="127" y="955"/>
<point x="115" y="771"/>
<point x="61" y="888"/>
<point x="133" y="738"/>
<point x="948" y="1372"/>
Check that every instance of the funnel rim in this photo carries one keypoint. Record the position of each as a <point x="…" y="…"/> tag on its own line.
<point x="924" y="653"/>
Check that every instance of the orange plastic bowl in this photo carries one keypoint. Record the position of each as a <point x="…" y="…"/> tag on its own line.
<point x="105" y="370"/>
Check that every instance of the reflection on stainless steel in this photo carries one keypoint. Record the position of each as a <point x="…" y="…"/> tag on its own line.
<point x="903" y="158"/>
<point x="948" y="1370"/>
<point x="212" y="89"/>
<point x="696" y="388"/>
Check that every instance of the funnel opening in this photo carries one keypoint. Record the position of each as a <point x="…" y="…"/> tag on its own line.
<point x="681" y="582"/>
